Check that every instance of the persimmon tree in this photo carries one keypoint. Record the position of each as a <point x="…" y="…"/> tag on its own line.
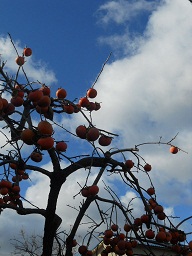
<point x="21" y="105"/>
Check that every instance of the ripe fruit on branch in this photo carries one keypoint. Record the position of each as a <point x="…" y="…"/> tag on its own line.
<point x="161" y="216"/>
<point x="121" y="236"/>
<point x="15" y="189"/>
<point x="36" y="156"/>
<point x="61" y="93"/>
<point x="151" y="191"/>
<point x="150" y="234"/>
<point x="74" y="243"/>
<point x="85" y="191"/>
<point x="91" y="93"/>
<point x="105" y="140"/>
<point x="84" y="102"/>
<point x="17" y="101"/>
<point x="108" y="233"/>
<point x="147" y="167"/>
<point x="61" y="146"/>
<point x="18" y="92"/>
<point x="46" y="90"/>
<point x="44" y="101"/>
<point x="82" y="249"/>
<point x="173" y="150"/>
<point x="20" y="60"/>
<point x="45" y="128"/>
<point x="129" y="164"/>
<point x="138" y="222"/>
<point x="5" y="102"/>
<point x="69" y="109"/>
<point x="5" y="183"/>
<point x="160" y="236"/>
<point x="81" y="131"/>
<point x="92" y="134"/>
<point x="114" y="227"/>
<point x="28" y="136"/>
<point x="27" y="51"/>
<point x="121" y="244"/>
<point x="127" y="227"/>
<point x="145" y="218"/>
<point x="93" y="190"/>
<point x="90" y="191"/>
<point x="42" y="110"/>
<point x="45" y="143"/>
<point x="158" y="209"/>
<point x="35" y="95"/>
<point x="9" y="109"/>
<point x="4" y="191"/>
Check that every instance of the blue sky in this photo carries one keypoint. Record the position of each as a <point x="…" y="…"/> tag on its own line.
<point x="145" y="88"/>
<point x="63" y="34"/>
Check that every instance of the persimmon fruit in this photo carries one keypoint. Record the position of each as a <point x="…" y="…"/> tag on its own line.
<point x="61" y="146"/>
<point x="28" y="136"/>
<point x="61" y="93"/>
<point x="127" y="227"/>
<point x="4" y="191"/>
<point x="45" y="128"/>
<point x="114" y="227"/>
<point x="108" y="233"/>
<point x="84" y="102"/>
<point x="81" y="131"/>
<point x="46" y="90"/>
<point x="45" y="143"/>
<point x="92" y="134"/>
<point x="85" y="192"/>
<point x="173" y="150"/>
<point x="150" y="234"/>
<point x="129" y="164"/>
<point x="27" y="51"/>
<point x="35" y="95"/>
<point x="151" y="191"/>
<point x="36" y="156"/>
<point x="69" y="109"/>
<point x="147" y="167"/>
<point x="104" y="140"/>
<point x="91" y="93"/>
<point x="93" y="190"/>
<point x="44" y="101"/>
<point x="82" y="249"/>
<point x="20" y="60"/>
<point x="17" y="101"/>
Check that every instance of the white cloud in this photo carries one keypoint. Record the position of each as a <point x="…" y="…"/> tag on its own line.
<point x="120" y="11"/>
<point x="148" y="94"/>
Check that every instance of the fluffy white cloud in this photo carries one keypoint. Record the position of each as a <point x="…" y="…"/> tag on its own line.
<point x="120" y="11"/>
<point x="148" y="94"/>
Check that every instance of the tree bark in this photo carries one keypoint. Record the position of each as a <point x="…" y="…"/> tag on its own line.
<point x="52" y="221"/>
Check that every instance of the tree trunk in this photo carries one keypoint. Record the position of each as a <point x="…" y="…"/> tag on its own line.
<point x="52" y="221"/>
